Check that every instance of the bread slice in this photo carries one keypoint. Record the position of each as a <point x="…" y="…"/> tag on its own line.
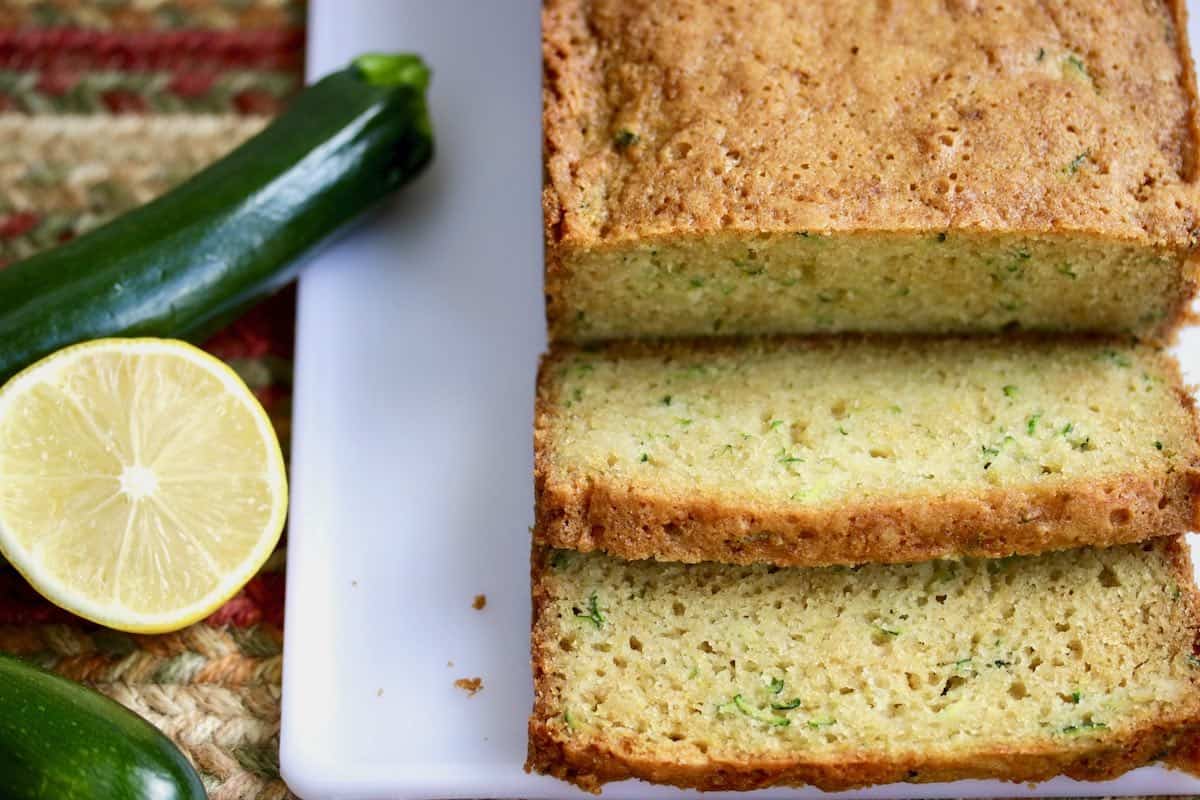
<point x="843" y="451"/>
<point x="714" y="676"/>
<point x="771" y="166"/>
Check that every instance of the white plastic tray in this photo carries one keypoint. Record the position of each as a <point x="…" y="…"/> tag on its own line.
<point x="418" y="339"/>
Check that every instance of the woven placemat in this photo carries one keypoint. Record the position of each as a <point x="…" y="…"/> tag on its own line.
<point x="103" y="105"/>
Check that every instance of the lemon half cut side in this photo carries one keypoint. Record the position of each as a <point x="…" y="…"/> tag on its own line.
<point x="141" y="482"/>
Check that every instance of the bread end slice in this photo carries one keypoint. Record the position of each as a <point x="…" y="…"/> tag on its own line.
<point x="666" y="215"/>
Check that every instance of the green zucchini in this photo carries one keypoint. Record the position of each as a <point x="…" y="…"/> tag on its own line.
<point x="61" y="741"/>
<point x="186" y="263"/>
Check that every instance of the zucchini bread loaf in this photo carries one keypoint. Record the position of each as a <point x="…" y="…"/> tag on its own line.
<point x="847" y="450"/>
<point x="727" y="677"/>
<point x="775" y="166"/>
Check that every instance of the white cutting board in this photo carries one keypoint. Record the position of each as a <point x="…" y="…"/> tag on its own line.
<point x="411" y="469"/>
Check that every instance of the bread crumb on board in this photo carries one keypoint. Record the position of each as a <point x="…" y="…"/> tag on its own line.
<point x="470" y="685"/>
<point x="480" y="602"/>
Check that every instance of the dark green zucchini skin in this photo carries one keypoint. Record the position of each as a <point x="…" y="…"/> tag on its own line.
<point x="61" y="741"/>
<point x="181" y="265"/>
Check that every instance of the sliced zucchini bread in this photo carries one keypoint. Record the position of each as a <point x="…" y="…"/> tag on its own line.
<point x="716" y="676"/>
<point x="851" y="450"/>
<point x="795" y="167"/>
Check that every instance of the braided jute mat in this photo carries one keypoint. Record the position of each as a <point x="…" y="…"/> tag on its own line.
<point x="103" y="105"/>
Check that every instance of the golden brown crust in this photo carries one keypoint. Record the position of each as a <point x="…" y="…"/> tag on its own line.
<point x="590" y="761"/>
<point x="706" y="124"/>
<point x="1191" y="154"/>
<point x="1180" y="314"/>
<point x="1186" y="757"/>
<point x="566" y="68"/>
<point x="635" y="522"/>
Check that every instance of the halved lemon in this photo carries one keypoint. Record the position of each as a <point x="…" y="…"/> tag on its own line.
<point x="141" y="483"/>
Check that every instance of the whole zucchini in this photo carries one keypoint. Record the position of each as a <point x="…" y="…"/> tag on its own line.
<point x="184" y="264"/>
<point x="61" y="741"/>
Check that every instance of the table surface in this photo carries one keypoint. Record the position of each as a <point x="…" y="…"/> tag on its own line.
<point x="103" y="105"/>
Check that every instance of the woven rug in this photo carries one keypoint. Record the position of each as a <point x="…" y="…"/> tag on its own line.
<point x="104" y="104"/>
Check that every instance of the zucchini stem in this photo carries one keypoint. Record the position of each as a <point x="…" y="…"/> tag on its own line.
<point x="387" y="70"/>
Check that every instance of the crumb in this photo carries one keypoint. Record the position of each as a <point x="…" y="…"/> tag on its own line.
<point x="379" y="693"/>
<point x="354" y="584"/>
<point x="480" y="602"/>
<point x="469" y="685"/>
<point x="449" y="664"/>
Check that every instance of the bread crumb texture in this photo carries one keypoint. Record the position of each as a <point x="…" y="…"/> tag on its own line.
<point x="716" y="676"/>
<point x="849" y="450"/>
<point x="768" y="166"/>
<point x="470" y="685"/>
